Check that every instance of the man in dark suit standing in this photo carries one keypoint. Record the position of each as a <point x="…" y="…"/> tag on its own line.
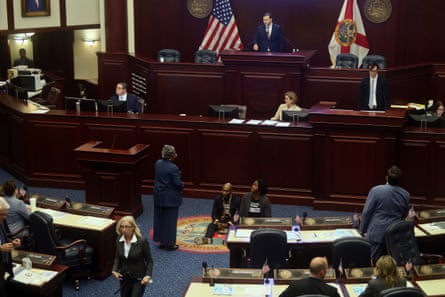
<point x="131" y="100"/>
<point x="385" y="204"/>
<point x="374" y="91"/>
<point x="268" y="37"/>
<point x="313" y="284"/>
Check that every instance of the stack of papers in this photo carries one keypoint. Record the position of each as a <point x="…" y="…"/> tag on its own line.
<point x="35" y="276"/>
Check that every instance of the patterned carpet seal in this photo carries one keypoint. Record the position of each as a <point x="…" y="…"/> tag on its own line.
<point x="190" y="228"/>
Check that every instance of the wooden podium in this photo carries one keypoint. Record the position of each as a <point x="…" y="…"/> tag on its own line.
<point x="112" y="176"/>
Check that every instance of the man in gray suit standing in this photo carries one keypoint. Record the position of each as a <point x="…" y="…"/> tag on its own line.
<point x="385" y="204"/>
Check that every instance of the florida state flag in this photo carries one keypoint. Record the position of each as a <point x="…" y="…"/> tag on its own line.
<point x="349" y="35"/>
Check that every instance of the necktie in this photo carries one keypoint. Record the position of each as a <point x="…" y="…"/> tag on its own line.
<point x="372" y="104"/>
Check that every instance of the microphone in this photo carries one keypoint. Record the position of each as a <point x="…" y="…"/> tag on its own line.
<point x="114" y="141"/>
<point x="304" y="216"/>
<point x="204" y="267"/>
<point x="68" y="202"/>
<point x="294" y="48"/>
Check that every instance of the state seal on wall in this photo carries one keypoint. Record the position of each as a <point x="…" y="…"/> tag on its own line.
<point x="346" y="32"/>
<point x="200" y="8"/>
<point x="378" y="11"/>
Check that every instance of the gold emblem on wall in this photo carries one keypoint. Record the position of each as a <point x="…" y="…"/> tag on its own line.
<point x="378" y="11"/>
<point x="200" y="8"/>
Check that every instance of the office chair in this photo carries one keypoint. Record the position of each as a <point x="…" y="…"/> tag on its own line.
<point x="402" y="292"/>
<point x="371" y="59"/>
<point x="268" y="246"/>
<point x="352" y="252"/>
<point x="205" y="56"/>
<point x="53" y="96"/>
<point x="346" y="61"/>
<point x="76" y="254"/>
<point x="401" y="244"/>
<point x="142" y="103"/>
<point x="169" y="55"/>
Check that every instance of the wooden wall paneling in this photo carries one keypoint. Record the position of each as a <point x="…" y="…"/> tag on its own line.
<point x="181" y="138"/>
<point x="226" y="155"/>
<point x="287" y="168"/>
<point x="18" y="143"/>
<point x="186" y="88"/>
<point x="116" y="23"/>
<point x="113" y="68"/>
<point x="437" y="174"/>
<point x="416" y="167"/>
<point x="4" y="134"/>
<point x="118" y="135"/>
<point x="55" y="164"/>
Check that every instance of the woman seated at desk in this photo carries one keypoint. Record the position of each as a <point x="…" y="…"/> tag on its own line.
<point x="290" y="103"/>
<point x="387" y="276"/>
<point x="255" y="203"/>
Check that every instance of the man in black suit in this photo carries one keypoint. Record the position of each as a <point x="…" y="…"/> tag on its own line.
<point x="131" y="100"/>
<point x="374" y="91"/>
<point x="314" y="284"/>
<point x="268" y="37"/>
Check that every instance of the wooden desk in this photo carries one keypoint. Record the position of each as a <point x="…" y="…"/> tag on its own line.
<point x="100" y="233"/>
<point x="199" y="289"/>
<point x="52" y="288"/>
<point x="434" y="287"/>
<point x="312" y="243"/>
<point x="427" y="216"/>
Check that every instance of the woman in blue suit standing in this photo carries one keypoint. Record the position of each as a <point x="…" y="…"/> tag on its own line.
<point x="167" y="196"/>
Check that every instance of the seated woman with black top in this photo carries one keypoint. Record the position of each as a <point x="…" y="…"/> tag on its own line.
<point x="255" y="203"/>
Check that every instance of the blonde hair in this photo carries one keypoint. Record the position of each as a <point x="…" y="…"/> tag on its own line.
<point x="386" y="269"/>
<point x="292" y="96"/>
<point x="132" y="222"/>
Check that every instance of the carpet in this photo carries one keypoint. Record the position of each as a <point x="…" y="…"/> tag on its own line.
<point x="191" y="227"/>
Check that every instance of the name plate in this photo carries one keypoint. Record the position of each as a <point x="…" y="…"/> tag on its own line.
<point x="232" y="275"/>
<point x="327" y="223"/>
<point x="364" y="274"/>
<point x="430" y="271"/>
<point x="91" y="210"/>
<point x="284" y="276"/>
<point x="431" y="215"/>
<point x="278" y="223"/>
<point x="38" y="260"/>
<point x="48" y="202"/>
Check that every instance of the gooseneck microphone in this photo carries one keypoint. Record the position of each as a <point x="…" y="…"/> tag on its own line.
<point x="204" y="267"/>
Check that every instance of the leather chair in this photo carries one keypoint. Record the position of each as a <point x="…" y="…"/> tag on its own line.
<point x="268" y="246"/>
<point x="142" y="103"/>
<point x="76" y="254"/>
<point x="205" y="56"/>
<point x="401" y="244"/>
<point x="352" y="252"/>
<point x="169" y="55"/>
<point x="51" y="99"/>
<point x="402" y="292"/>
<point x="346" y="61"/>
<point x="371" y="59"/>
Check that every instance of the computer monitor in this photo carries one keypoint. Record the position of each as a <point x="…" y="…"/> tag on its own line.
<point x="112" y="105"/>
<point x="425" y="120"/>
<point x="84" y="104"/>
<point x="294" y="115"/>
<point x="224" y="111"/>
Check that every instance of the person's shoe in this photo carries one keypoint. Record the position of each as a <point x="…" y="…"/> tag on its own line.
<point x="171" y="247"/>
<point x="199" y="240"/>
<point x="162" y="246"/>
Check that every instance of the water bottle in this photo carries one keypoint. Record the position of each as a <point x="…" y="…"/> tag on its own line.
<point x="27" y="263"/>
<point x="268" y="285"/>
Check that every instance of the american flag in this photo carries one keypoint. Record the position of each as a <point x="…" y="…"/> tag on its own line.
<point x="222" y="32"/>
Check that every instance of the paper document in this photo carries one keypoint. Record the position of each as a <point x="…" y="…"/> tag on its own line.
<point x="254" y="122"/>
<point x="236" y="121"/>
<point x="282" y="124"/>
<point x="269" y="123"/>
<point x="243" y="232"/>
<point x="34" y="276"/>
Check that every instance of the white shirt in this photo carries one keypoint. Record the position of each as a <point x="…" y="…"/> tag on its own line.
<point x="127" y="246"/>
<point x="372" y="91"/>
<point x="123" y="97"/>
